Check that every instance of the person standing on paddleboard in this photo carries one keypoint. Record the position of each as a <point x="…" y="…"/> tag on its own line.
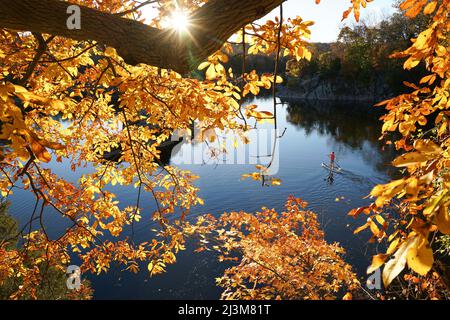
<point x="332" y="159"/>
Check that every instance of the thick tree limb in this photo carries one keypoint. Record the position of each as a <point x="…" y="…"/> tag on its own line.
<point x="211" y="26"/>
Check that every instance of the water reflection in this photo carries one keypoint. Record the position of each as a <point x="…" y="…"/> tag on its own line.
<point x="313" y="131"/>
<point x="352" y="125"/>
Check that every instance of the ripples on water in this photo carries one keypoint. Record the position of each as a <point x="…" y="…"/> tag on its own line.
<point x="313" y="131"/>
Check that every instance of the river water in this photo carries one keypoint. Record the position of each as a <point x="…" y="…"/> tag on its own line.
<point x="312" y="131"/>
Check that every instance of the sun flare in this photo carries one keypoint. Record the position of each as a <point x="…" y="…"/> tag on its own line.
<point x="179" y="21"/>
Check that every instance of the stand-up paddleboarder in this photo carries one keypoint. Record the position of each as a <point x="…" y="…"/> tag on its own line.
<point x="332" y="159"/>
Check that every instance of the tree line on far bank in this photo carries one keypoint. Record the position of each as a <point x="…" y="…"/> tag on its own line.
<point x="360" y="58"/>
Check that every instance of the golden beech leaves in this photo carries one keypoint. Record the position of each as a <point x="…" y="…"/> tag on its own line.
<point x="420" y="258"/>
<point x="413" y="7"/>
<point x="277" y="255"/>
<point x="294" y="35"/>
<point x="260" y="116"/>
<point x="263" y="175"/>
<point x="18" y="131"/>
<point x="377" y="261"/>
<point x="430" y="7"/>
<point x="442" y="220"/>
<point x="356" y="8"/>
<point x="78" y="104"/>
<point x="214" y="67"/>
<point x="421" y="198"/>
<point x="397" y="263"/>
<point x="414" y="251"/>
<point x="411" y="158"/>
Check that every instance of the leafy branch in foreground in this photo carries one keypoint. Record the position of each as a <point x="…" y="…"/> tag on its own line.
<point x="77" y="101"/>
<point x="416" y="206"/>
<point x="276" y="255"/>
<point x="48" y="281"/>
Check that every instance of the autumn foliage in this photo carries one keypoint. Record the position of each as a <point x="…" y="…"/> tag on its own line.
<point x="420" y="199"/>
<point x="279" y="256"/>
<point x="74" y="102"/>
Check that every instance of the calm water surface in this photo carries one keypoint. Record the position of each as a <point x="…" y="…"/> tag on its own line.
<point x="313" y="130"/>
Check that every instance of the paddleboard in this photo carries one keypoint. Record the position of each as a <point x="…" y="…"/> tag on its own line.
<point x="336" y="168"/>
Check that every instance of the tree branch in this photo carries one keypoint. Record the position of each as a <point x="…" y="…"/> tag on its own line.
<point x="211" y="26"/>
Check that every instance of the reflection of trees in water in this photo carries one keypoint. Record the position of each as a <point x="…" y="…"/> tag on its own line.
<point x="352" y="125"/>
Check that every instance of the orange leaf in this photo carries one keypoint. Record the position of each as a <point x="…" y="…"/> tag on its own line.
<point x="40" y="152"/>
<point x="346" y="13"/>
<point x="377" y="262"/>
<point x="348" y="296"/>
<point x="430" y="7"/>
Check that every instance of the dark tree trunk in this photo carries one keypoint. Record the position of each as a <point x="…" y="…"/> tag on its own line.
<point x="211" y="26"/>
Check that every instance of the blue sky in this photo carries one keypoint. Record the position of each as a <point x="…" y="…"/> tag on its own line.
<point x="328" y="15"/>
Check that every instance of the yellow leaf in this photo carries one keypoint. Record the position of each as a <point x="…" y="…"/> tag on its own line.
<point x="308" y="55"/>
<point x="40" y="152"/>
<point x="443" y="220"/>
<point x="110" y="52"/>
<point x="412" y="158"/>
<point x="433" y="203"/>
<point x="442" y="51"/>
<point x="377" y="262"/>
<point x="364" y="227"/>
<point x="380" y="219"/>
<point x="211" y="72"/>
<point x="203" y="65"/>
<point x="430" y="7"/>
<point x="393" y="246"/>
<point x="420" y="258"/>
<point x="348" y="296"/>
<point x="427" y="146"/>
<point x="374" y="228"/>
<point x="422" y="39"/>
<point x="397" y="264"/>
<point x="276" y="182"/>
<point x="411" y="63"/>
<point x="428" y="79"/>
